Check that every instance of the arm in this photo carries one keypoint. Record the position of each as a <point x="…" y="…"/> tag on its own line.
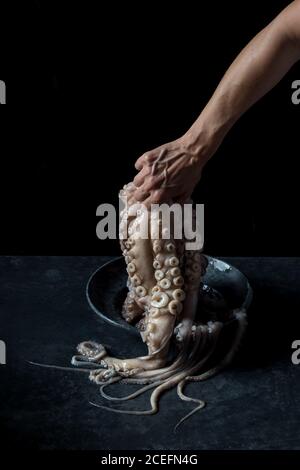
<point x="257" y="69"/>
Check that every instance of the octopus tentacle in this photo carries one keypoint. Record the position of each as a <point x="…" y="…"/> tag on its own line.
<point x="79" y="361"/>
<point x="201" y="403"/>
<point x="53" y="366"/>
<point x="183" y="397"/>
<point x="166" y="385"/>
<point x="160" y="375"/>
<point x="132" y="395"/>
<point x="178" y="365"/>
<point x="241" y="317"/>
<point x="162" y="303"/>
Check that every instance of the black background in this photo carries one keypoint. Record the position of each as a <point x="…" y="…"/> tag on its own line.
<point x="90" y="88"/>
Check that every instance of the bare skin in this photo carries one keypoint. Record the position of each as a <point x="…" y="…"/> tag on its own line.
<point x="171" y="171"/>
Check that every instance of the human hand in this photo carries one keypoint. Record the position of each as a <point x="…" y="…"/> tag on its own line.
<point x="169" y="173"/>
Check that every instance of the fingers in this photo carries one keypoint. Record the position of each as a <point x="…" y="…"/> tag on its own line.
<point x="158" y="196"/>
<point x="141" y="176"/>
<point x="140" y="195"/>
<point x="146" y="184"/>
<point x="147" y="159"/>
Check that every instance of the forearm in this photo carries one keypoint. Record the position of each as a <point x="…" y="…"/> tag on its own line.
<point x="258" y="68"/>
<point x="170" y="172"/>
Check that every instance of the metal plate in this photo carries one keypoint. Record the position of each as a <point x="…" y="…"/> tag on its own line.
<point x="224" y="287"/>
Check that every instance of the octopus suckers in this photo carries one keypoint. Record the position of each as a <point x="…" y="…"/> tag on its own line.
<point x="159" y="299"/>
<point x="159" y="275"/>
<point x="141" y="291"/>
<point x="173" y="261"/>
<point x="178" y="281"/>
<point x="165" y="283"/>
<point x="175" y="307"/>
<point x="131" y="267"/>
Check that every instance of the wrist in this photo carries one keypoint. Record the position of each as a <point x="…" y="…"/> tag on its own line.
<point x="207" y="133"/>
<point x="201" y="143"/>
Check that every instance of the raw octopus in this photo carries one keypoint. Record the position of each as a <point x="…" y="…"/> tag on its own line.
<point x="164" y="281"/>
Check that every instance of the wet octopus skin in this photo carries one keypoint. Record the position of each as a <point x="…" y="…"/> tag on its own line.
<point x="163" y="285"/>
<point x="162" y="302"/>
